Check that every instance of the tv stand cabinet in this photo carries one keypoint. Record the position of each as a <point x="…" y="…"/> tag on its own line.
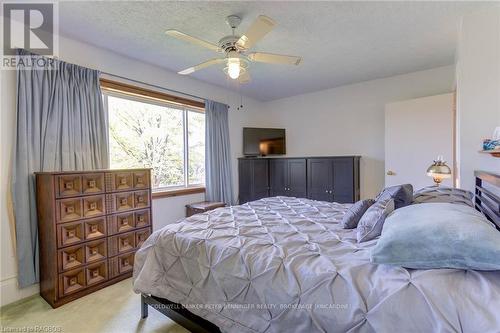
<point x="329" y="178"/>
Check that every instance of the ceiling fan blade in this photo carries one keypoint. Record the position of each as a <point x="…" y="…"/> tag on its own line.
<point x="274" y="58"/>
<point x="244" y="77"/>
<point x="257" y="30"/>
<point x="193" y="40"/>
<point x="201" y="66"/>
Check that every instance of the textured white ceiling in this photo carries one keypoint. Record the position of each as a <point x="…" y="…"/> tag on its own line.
<point x="340" y="42"/>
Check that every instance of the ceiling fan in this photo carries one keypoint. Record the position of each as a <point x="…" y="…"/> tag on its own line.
<point x="235" y="49"/>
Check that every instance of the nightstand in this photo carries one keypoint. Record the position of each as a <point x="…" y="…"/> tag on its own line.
<point x="201" y="207"/>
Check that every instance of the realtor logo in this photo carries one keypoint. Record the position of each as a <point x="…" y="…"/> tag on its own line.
<point x="29" y="26"/>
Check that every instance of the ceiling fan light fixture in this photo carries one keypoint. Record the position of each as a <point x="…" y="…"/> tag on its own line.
<point x="235" y="49"/>
<point x="233" y="68"/>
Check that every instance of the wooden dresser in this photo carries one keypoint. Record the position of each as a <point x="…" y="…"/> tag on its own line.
<point x="90" y="225"/>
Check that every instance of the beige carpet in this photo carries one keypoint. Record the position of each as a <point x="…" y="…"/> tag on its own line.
<point x="112" y="309"/>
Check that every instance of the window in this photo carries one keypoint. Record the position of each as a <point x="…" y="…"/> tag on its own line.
<point x="153" y="133"/>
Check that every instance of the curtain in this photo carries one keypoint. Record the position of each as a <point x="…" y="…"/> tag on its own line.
<point x="218" y="175"/>
<point x="61" y="125"/>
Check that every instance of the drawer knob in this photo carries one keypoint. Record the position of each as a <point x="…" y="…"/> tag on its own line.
<point x="95" y="273"/>
<point x="72" y="257"/>
<point x="123" y="181"/>
<point x="68" y="186"/>
<point x="72" y="281"/>
<point x="93" y="251"/>
<point x="124" y="221"/>
<point x="140" y="199"/>
<point x="71" y="233"/>
<point x="140" y="218"/>
<point x="125" y="242"/>
<point x="123" y="202"/>
<point x="139" y="180"/>
<point x="91" y="183"/>
<point x="70" y="209"/>
<point x="125" y="262"/>
<point x="93" y="206"/>
<point x="93" y="228"/>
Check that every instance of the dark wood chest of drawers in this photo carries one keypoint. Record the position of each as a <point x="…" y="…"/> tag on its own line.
<point x="90" y="225"/>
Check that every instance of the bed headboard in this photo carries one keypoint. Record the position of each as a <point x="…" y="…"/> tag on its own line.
<point x="487" y="195"/>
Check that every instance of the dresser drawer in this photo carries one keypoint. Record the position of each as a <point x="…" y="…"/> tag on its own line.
<point x="121" y="223"/>
<point x="68" y="185"/>
<point x="95" y="228"/>
<point x="69" y="210"/>
<point x="141" y="180"/>
<point x="141" y="236"/>
<point x="93" y="206"/>
<point x="93" y="183"/>
<point x="70" y="233"/>
<point x="95" y="251"/>
<point x="119" y="181"/>
<point x="121" y="243"/>
<point x="71" y="258"/>
<point x="121" y="264"/>
<point x="125" y="201"/>
<point x="120" y="202"/>
<point x="142" y="218"/>
<point x="71" y="282"/>
<point x="141" y="199"/>
<point x="96" y="273"/>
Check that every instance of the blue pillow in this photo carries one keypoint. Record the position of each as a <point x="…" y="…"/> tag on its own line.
<point x="438" y="235"/>
<point x="355" y="212"/>
<point x="401" y="194"/>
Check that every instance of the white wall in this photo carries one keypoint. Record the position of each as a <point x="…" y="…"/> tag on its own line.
<point x="478" y="92"/>
<point x="349" y="120"/>
<point x="416" y="132"/>
<point x="165" y="210"/>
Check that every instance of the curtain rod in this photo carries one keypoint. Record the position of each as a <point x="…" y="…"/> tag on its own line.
<point x="136" y="81"/>
<point x="156" y="86"/>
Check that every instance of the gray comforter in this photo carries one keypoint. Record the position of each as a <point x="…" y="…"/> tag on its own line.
<point x="285" y="265"/>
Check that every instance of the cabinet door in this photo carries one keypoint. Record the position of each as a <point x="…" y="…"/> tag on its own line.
<point x="245" y="171"/>
<point x="260" y="179"/>
<point x="343" y="180"/>
<point x="278" y="177"/>
<point x="319" y="179"/>
<point x="296" y="178"/>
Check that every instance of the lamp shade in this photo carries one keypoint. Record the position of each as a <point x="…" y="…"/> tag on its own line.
<point x="439" y="170"/>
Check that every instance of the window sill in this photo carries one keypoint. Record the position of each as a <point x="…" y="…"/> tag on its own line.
<point x="177" y="192"/>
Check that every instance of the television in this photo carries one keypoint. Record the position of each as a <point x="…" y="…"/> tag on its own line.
<point x="263" y="141"/>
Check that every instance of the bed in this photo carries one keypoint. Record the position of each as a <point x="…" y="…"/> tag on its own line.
<point x="285" y="264"/>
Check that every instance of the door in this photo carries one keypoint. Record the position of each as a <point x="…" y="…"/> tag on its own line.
<point x="245" y="170"/>
<point x="319" y="179"/>
<point x="278" y="177"/>
<point x="416" y="132"/>
<point x="253" y="179"/>
<point x="343" y="180"/>
<point x="297" y="178"/>
<point x="260" y="179"/>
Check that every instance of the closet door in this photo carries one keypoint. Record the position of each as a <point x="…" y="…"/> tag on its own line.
<point x="343" y="180"/>
<point x="320" y="179"/>
<point x="296" y="178"/>
<point x="278" y="177"/>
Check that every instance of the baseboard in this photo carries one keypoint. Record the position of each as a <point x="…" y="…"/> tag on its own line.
<point x="10" y="292"/>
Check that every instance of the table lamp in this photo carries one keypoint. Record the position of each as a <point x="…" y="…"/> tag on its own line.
<point x="439" y="170"/>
